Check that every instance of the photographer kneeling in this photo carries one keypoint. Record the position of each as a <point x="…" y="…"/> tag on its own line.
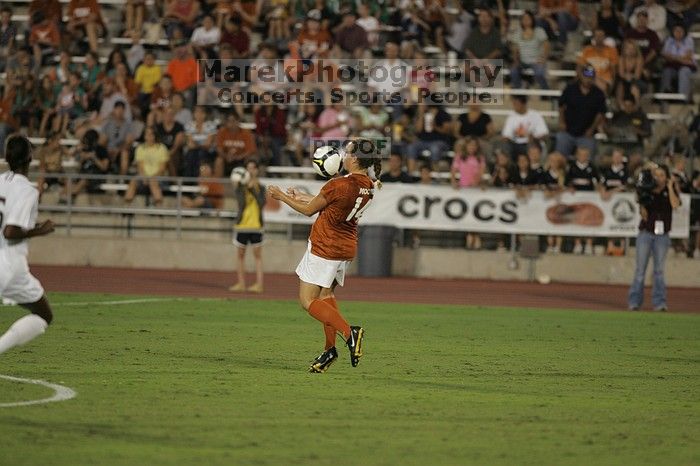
<point x="658" y="196"/>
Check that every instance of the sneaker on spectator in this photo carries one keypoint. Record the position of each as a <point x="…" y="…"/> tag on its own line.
<point x="238" y="287"/>
<point x="257" y="288"/>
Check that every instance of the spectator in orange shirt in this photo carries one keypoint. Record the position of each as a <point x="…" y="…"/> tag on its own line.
<point x="84" y="18"/>
<point x="52" y="10"/>
<point x="44" y="38"/>
<point x="313" y="41"/>
<point x="233" y="145"/>
<point x="212" y="194"/>
<point x="603" y="59"/>
<point x="183" y="69"/>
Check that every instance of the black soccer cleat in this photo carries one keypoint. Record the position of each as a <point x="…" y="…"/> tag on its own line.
<point x="324" y="361"/>
<point x="354" y="343"/>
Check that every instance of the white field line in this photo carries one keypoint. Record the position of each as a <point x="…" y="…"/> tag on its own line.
<point x="61" y="393"/>
<point x="116" y="302"/>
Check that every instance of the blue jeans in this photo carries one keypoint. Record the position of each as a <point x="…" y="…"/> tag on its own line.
<point x="566" y="143"/>
<point x="656" y="246"/>
<point x="683" y="74"/>
<point x="566" y="22"/>
<point x="539" y="71"/>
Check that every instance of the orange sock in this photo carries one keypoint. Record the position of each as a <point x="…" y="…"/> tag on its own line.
<point x="323" y="312"/>
<point x="327" y="329"/>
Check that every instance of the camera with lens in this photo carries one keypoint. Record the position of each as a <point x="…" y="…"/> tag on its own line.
<point x="645" y="186"/>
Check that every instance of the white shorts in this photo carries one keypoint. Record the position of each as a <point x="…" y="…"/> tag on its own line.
<point x="16" y="283"/>
<point x="319" y="271"/>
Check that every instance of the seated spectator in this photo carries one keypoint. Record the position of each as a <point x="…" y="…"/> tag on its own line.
<point x="44" y="38"/>
<point x="313" y="41"/>
<point x="152" y="161"/>
<point x="610" y="20"/>
<point x="24" y="106"/>
<point x="110" y="96"/>
<point x="136" y="53"/>
<point x="678" y="62"/>
<point x="554" y="181"/>
<point x="476" y="123"/>
<point x="212" y="194"/>
<point x="484" y="41"/>
<point x="369" y="23"/>
<point x="171" y="134"/>
<point x="271" y="131"/>
<point x="396" y="172"/>
<point x="374" y="121"/>
<point x="183" y="70"/>
<point x="629" y="73"/>
<point x="236" y="38"/>
<point x="678" y="172"/>
<point x="115" y="58"/>
<point x="522" y="127"/>
<point x="45" y="99"/>
<point x="349" y="35"/>
<point x="160" y="100"/>
<point x="530" y="50"/>
<point x="582" y="176"/>
<point x="182" y="115"/>
<point x="50" y="162"/>
<point x="333" y="121"/>
<point x="7" y="122"/>
<point x="581" y="111"/>
<point x="396" y="85"/>
<point x="629" y="127"/>
<point x="602" y="58"/>
<point x="205" y="38"/>
<point x="234" y="145"/>
<point x="8" y="31"/>
<point x="426" y="175"/>
<point x="125" y="85"/>
<point x="71" y="102"/>
<point x="182" y="15"/>
<point x="52" y="10"/>
<point x="434" y="126"/>
<point x="614" y="179"/>
<point x="503" y="171"/>
<point x="468" y="165"/>
<point x="117" y="135"/>
<point x="200" y="148"/>
<point x="85" y="18"/>
<point x="147" y="76"/>
<point x="133" y="16"/>
<point x="656" y="14"/>
<point x="647" y="40"/>
<point x="413" y="28"/>
<point x="278" y="21"/>
<point x="94" y="160"/>
<point x="558" y="18"/>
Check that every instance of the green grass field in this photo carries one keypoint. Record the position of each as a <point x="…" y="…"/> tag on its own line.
<point x="224" y="382"/>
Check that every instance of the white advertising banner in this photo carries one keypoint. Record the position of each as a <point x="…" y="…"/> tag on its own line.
<point x="424" y="207"/>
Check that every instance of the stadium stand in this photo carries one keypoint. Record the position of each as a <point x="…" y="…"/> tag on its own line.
<point x="62" y="90"/>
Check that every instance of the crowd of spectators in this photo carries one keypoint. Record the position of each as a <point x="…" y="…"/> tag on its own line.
<point x="134" y="108"/>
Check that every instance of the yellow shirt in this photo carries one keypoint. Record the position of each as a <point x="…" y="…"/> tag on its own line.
<point x="250" y="218"/>
<point x="147" y="77"/>
<point x="153" y="158"/>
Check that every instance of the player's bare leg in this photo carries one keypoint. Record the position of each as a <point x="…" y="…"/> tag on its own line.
<point x="28" y="327"/>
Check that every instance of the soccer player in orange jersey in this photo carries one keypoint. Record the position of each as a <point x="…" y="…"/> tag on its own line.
<point x="332" y="246"/>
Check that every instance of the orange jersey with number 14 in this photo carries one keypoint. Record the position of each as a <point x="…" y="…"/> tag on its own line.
<point x="334" y="234"/>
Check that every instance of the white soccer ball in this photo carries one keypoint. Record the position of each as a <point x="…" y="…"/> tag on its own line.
<point x="327" y="161"/>
<point x="240" y="175"/>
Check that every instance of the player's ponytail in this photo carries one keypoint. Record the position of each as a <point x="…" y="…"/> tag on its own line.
<point x="377" y="172"/>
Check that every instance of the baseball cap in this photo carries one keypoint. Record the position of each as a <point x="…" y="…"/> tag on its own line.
<point x="314" y="15"/>
<point x="588" y="71"/>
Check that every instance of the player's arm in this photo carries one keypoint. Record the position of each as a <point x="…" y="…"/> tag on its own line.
<point x="305" y="208"/>
<point x="13" y="232"/>
<point x="300" y="195"/>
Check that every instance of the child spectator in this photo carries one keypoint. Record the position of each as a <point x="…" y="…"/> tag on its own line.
<point x="212" y="194"/>
<point x="70" y="103"/>
<point x="525" y="177"/>
<point x="249" y="227"/>
<point x="582" y="176"/>
<point x="534" y="153"/>
<point x="152" y="161"/>
<point x="396" y="172"/>
<point x="147" y="76"/>
<point x="554" y="181"/>
<point x="468" y="165"/>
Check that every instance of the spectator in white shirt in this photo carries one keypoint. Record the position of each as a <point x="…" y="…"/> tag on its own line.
<point x="205" y="38"/>
<point x="522" y="127"/>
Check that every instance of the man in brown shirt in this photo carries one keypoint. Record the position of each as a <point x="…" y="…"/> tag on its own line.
<point x="233" y="146"/>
